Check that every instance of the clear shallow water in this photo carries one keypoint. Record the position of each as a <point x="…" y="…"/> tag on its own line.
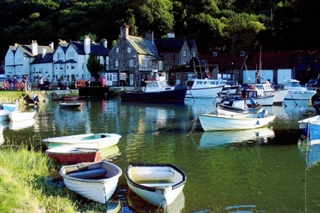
<point x="226" y="172"/>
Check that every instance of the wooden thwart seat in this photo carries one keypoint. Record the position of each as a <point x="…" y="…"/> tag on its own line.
<point x="89" y="174"/>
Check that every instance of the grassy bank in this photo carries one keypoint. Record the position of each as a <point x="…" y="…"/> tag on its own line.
<point x="26" y="184"/>
<point x="11" y="96"/>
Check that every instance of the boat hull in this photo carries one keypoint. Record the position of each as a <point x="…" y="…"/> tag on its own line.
<point x="21" y="116"/>
<point x="158" y="184"/>
<point x="170" y="96"/>
<point x="70" y="105"/>
<point x="279" y="96"/>
<point x="299" y="95"/>
<point x="70" y="98"/>
<point x="73" y="155"/>
<point x="95" y="181"/>
<point x="210" y="92"/>
<point x="96" y="141"/>
<point x="4" y="114"/>
<point x="212" y="122"/>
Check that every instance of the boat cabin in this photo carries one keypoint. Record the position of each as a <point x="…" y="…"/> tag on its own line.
<point x="205" y="83"/>
<point x="157" y="86"/>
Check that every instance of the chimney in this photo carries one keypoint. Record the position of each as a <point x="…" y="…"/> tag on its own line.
<point x="87" y="45"/>
<point x="104" y="43"/>
<point x="150" y="35"/>
<point x="124" y="31"/>
<point x="34" y="47"/>
<point x="44" y="51"/>
<point x="171" y="34"/>
<point x="51" y="45"/>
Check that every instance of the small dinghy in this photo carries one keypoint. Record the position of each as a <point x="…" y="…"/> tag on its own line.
<point x="158" y="184"/>
<point x="89" y="140"/>
<point x="96" y="181"/>
<point x="73" y="155"/>
<point x="21" y="116"/>
<point x="70" y="105"/>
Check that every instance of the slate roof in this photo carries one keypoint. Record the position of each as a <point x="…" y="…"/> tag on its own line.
<point x="27" y="51"/>
<point x="170" y="44"/>
<point x="144" y="46"/>
<point x="95" y="48"/>
<point x="48" y="58"/>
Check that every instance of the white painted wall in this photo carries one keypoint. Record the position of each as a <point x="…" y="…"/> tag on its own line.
<point x="283" y="74"/>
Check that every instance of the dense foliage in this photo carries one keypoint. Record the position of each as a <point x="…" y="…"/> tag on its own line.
<point x="218" y="25"/>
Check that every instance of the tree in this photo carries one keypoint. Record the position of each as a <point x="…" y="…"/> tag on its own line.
<point x="93" y="66"/>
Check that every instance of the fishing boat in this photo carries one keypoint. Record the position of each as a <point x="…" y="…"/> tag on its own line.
<point x="70" y="105"/>
<point x="89" y="140"/>
<point x="21" y="116"/>
<point x="219" y="138"/>
<point x="73" y="155"/>
<point x="310" y="127"/>
<point x="229" y="106"/>
<point x="95" y="181"/>
<point x="204" y="88"/>
<point x="296" y="91"/>
<point x="159" y="184"/>
<point x="249" y="93"/>
<point x="217" y="121"/>
<point x="4" y="114"/>
<point x="156" y="90"/>
<point x="267" y="88"/>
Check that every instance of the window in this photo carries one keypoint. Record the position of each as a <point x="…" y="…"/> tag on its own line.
<point x="116" y="63"/>
<point x="70" y="54"/>
<point x="59" y="55"/>
<point x="117" y="50"/>
<point x="184" y="53"/>
<point x="128" y="49"/>
<point x="131" y="62"/>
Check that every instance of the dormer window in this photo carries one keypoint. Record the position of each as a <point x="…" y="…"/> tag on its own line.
<point x="184" y="53"/>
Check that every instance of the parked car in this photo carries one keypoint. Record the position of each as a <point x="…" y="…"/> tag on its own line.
<point x="314" y="82"/>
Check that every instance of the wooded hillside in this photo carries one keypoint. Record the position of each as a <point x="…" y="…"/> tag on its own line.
<point x="218" y="25"/>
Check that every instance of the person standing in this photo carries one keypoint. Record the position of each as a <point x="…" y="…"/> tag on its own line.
<point x="10" y="83"/>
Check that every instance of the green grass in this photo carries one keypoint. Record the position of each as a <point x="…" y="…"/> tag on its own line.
<point x="10" y="96"/>
<point x="24" y="184"/>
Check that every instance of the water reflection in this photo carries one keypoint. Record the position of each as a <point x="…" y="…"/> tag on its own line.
<point x="265" y="177"/>
<point x="218" y="138"/>
<point x="18" y="125"/>
<point x="139" y="205"/>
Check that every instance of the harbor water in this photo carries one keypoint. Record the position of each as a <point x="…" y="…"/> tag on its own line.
<point x="263" y="170"/>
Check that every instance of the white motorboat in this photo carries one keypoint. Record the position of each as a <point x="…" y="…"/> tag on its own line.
<point x="257" y="95"/>
<point x="21" y="116"/>
<point x="4" y="114"/>
<point x="96" y="181"/>
<point x="216" y="121"/>
<point x="158" y="184"/>
<point x="296" y="91"/>
<point x="89" y="140"/>
<point x="218" y="138"/>
<point x="204" y="88"/>
<point x="267" y="88"/>
<point x="229" y="106"/>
